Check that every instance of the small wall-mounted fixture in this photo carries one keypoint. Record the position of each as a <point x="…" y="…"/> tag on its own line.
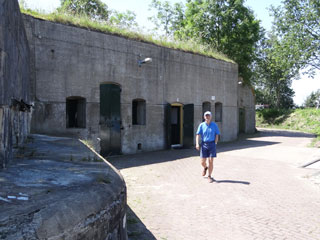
<point x="240" y="81"/>
<point x="146" y="60"/>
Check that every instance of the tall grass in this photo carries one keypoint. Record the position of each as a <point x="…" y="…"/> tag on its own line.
<point x="84" y="21"/>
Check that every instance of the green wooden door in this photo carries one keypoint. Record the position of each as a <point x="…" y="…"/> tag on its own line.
<point x="188" y="123"/>
<point x="110" y="119"/>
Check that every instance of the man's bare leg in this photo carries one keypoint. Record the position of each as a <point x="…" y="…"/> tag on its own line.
<point x="204" y="165"/>
<point x="210" y="168"/>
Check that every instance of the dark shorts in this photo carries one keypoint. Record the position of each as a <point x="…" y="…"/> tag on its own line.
<point x="208" y="149"/>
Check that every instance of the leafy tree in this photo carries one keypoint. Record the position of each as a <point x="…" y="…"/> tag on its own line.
<point x="297" y="23"/>
<point x="313" y="100"/>
<point x="273" y="74"/>
<point x="168" y="17"/>
<point x="95" y="9"/>
<point x="227" y="25"/>
<point x="123" y="19"/>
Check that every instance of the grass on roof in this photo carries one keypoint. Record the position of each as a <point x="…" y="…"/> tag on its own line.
<point x="85" y="22"/>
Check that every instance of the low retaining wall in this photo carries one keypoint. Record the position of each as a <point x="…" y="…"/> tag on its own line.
<point x="50" y="192"/>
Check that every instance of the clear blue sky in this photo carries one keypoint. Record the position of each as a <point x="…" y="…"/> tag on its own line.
<point x="301" y="87"/>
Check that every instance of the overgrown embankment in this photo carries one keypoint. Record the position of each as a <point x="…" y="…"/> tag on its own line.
<point x="305" y="120"/>
<point x="84" y="21"/>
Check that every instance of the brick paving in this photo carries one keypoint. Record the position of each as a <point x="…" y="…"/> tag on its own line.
<point x="261" y="192"/>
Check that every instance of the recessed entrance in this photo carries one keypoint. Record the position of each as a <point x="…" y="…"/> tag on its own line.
<point x="179" y="125"/>
<point x="242" y="120"/>
<point x="176" y="124"/>
<point x="76" y="112"/>
<point x="110" y="119"/>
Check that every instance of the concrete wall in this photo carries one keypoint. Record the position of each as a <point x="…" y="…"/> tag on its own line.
<point x="14" y="80"/>
<point x="70" y="61"/>
<point x="246" y="100"/>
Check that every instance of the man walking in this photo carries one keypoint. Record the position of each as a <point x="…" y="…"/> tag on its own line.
<point x="209" y="133"/>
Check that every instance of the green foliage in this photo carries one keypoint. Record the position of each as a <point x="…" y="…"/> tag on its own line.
<point x="272" y="116"/>
<point x="273" y="74"/>
<point x="297" y="23"/>
<point x="85" y="22"/>
<point x="168" y="17"/>
<point x="123" y="19"/>
<point x="313" y="100"/>
<point x="94" y="9"/>
<point x="306" y="120"/>
<point x="226" y="25"/>
<point x="292" y="45"/>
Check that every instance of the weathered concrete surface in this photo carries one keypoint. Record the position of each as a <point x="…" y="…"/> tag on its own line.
<point x="50" y="192"/>
<point x="14" y="79"/>
<point x="70" y="61"/>
<point x="260" y="191"/>
<point x="246" y="100"/>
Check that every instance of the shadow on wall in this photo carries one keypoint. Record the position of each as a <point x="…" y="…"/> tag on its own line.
<point x="135" y="227"/>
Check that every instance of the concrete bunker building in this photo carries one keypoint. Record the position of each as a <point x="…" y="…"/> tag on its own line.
<point x="92" y="85"/>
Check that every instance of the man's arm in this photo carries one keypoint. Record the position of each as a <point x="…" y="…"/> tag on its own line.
<point x="217" y="139"/>
<point x="197" y="142"/>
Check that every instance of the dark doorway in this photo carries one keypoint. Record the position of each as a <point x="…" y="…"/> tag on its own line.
<point x="188" y="123"/>
<point x="242" y="120"/>
<point x="110" y="119"/>
<point x="179" y="125"/>
<point x="175" y="125"/>
<point x="75" y="112"/>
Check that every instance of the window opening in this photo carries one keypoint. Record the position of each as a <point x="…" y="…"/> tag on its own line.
<point x="138" y="112"/>
<point x="218" y="112"/>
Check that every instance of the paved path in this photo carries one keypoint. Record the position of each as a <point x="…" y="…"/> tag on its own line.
<point x="261" y="191"/>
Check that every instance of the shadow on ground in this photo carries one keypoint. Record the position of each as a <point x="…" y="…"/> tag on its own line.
<point x="146" y="158"/>
<point x="262" y="132"/>
<point x="136" y="229"/>
<point x="232" y="181"/>
<point x="243" y="144"/>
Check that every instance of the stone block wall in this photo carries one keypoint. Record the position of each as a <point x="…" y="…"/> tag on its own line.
<point x="14" y="80"/>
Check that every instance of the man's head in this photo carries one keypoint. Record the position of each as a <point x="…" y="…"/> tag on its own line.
<point x="207" y="116"/>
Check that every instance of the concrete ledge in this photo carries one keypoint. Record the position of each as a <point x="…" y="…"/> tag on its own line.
<point x="43" y="197"/>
